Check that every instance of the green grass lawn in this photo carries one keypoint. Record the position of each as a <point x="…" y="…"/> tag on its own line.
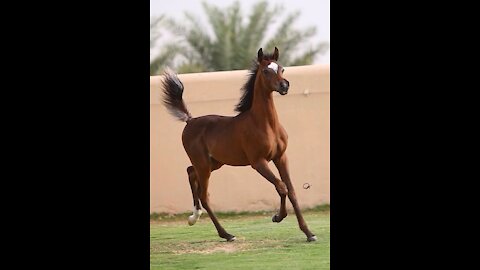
<point x="260" y="244"/>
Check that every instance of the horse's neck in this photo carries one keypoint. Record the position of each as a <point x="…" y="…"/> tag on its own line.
<point x="263" y="109"/>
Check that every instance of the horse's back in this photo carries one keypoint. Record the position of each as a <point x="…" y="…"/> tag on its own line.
<point x="206" y="122"/>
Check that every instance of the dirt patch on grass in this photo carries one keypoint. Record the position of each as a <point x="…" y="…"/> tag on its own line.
<point x="208" y="249"/>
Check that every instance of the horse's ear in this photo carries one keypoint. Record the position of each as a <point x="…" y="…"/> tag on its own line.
<point x="260" y="55"/>
<point x="275" y="54"/>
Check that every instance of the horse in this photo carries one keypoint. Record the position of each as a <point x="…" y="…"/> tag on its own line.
<point x="253" y="137"/>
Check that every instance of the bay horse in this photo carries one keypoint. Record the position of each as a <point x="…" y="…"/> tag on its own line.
<point x="253" y="137"/>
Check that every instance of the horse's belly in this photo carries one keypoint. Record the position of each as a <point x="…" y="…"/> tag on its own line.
<point x="230" y="157"/>
<point x="229" y="154"/>
<point x="232" y="161"/>
<point x="237" y="163"/>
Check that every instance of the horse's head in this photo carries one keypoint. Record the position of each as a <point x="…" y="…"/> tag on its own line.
<point x="271" y="73"/>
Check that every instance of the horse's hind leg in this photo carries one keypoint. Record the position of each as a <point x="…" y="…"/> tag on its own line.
<point x="192" y="178"/>
<point x="197" y="211"/>
<point x="203" y="175"/>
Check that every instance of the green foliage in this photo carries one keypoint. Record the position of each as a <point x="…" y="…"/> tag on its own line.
<point x="229" y="43"/>
<point x="167" y="52"/>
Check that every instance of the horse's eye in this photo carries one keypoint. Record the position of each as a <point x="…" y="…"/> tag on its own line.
<point x="283" y="70"/>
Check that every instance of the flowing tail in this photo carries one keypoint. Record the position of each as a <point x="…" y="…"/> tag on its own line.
<point x="173" y="91"/>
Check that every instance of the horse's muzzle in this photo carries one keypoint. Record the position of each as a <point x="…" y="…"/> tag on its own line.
<point x="283" y="89"/>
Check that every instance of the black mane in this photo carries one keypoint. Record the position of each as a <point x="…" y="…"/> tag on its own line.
<point x="245" y="102"/>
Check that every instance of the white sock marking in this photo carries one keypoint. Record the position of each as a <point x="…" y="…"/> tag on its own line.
<point x="195" y="216"/>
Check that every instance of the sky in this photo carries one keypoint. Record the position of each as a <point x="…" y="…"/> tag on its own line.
<point x="313" y="13"/>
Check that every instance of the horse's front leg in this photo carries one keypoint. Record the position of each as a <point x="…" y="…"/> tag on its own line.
<point x="261" y="166"/>
<point x="283" y="209"/>
<point x="282" y="165"/>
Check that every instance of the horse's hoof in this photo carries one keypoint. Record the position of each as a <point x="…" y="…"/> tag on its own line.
<point x="192" y="220"/>
<point x="274" y="218"/>
<point x="312" y="238"/>
<point x="231" y="239"/>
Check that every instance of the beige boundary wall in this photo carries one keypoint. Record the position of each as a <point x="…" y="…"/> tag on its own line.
<point x="304" y="112"/>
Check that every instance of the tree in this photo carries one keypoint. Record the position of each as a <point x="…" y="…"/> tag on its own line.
<point x="233" y="43"/>
<point x="166" y="55"/>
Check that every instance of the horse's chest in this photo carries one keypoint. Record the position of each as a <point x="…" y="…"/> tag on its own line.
<point x="266" y="143"/>
<point x="280" y="148"/>
<point x="274" y="148"/>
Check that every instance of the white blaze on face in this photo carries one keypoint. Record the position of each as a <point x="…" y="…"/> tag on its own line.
<point x="273" y="66"/>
